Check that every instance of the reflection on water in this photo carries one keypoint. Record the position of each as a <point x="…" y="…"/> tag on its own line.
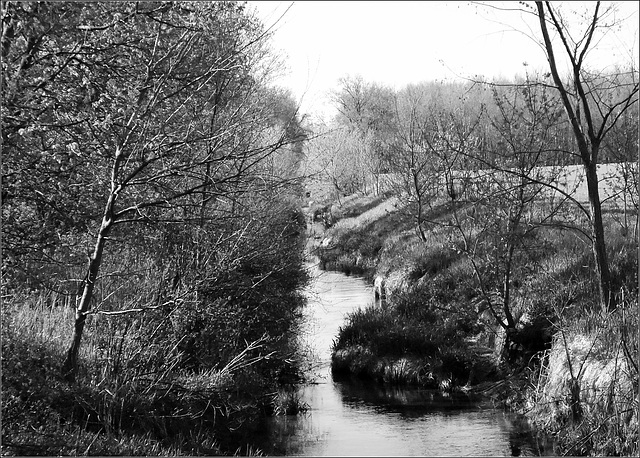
<point x="350" y="417"/>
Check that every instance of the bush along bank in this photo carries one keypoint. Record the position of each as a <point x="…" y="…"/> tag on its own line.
<point x="568" y="366"/>
<point x="193" y="376"/>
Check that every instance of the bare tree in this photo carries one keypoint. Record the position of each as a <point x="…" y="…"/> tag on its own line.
<point x="593" y="108"/>
<point x="434" y="134"/>
<point x="365" y="110"/>
<point x="499" y="233"/>
<point x="413" y="156"/>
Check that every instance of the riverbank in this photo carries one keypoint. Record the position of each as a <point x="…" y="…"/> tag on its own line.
<point x="564" y="364"/>
<point x="350" y="416"/>
<point x="131" y="411"/>
<point x="192" y="373"/>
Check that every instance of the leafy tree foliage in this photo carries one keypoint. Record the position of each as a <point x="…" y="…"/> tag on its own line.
<point x="128" y="125"/>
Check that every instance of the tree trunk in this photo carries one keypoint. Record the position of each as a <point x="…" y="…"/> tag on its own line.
<point x="419" y="202"/>
<point x="509" y="350"/>
<point x="597" y="233"/>
<point x="576" y="404"/>
<point x="506" y="286"/>
<point x="70" y="365"/>
<point x="588" y="147"/>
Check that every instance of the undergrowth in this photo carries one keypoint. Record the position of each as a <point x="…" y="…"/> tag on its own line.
<point x="116" y="409"/>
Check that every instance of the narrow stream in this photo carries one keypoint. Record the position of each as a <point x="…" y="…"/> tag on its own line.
<point x="348" y="417"/>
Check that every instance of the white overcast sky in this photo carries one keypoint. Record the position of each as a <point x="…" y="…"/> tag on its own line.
<point x="396" y="43"/>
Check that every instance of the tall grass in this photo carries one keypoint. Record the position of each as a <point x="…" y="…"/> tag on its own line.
<point x="585" y="391"/>
<point x="42" y="415"/>
<point x="125" y="402"/>
<point x="380" y="344"/>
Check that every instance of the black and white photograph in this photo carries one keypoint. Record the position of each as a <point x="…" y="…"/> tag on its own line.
<point x="320" y="228"/>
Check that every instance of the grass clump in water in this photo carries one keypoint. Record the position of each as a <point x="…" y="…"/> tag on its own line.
<point x="379" y="344"/>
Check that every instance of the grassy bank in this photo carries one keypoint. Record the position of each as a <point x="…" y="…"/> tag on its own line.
<point x="131" y="397"/>
<point x="570" y="367"/>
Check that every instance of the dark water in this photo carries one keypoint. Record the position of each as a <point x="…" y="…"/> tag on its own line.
<point x="348" y="417"/>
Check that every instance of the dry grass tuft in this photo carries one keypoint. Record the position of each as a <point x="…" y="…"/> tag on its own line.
<point x="607" y="396"/>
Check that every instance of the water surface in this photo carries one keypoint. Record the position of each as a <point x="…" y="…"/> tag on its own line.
<point x="350" y="417"/>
